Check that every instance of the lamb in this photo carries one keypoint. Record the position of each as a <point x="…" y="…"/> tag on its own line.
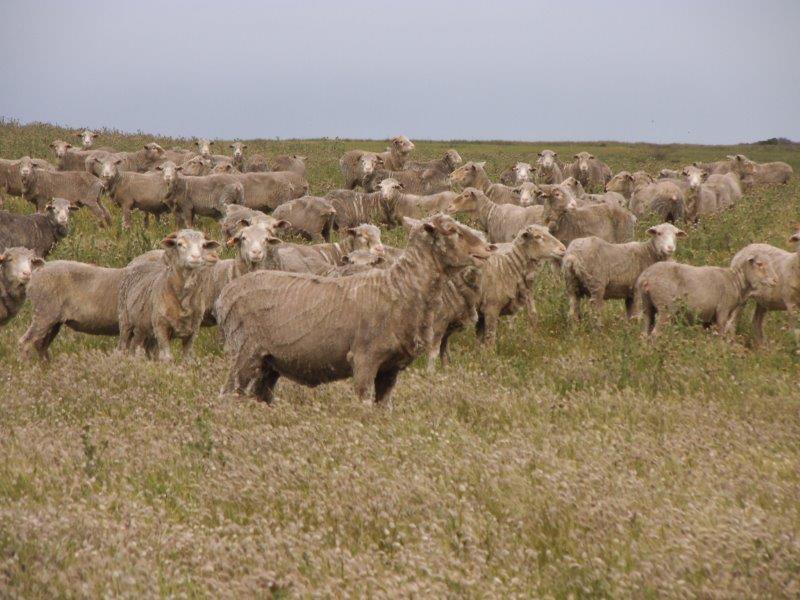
<point x="785" y="295"/>
<point x="143" y="191"/>
<point x="517" y="174"/>
<point x="83" y="297"/>
<point x="161" y="302"/>
<point x="401" y="204"/>
<point x="772" y="172"/>
<point x="17" y="264"/>
<point x="664" y="198"/>
<point x="296" y="163"/>
<point x="206" y="196"/>
<point x="603" y="271"/>
<point x="591" y="172"/>
<point x="507" y="279"/>
<point x="38" y="232"/>
<point x="318" y="258"/>
<point x="353" y="208"/>
<point x="712" y="295"/>
<point x="368" y="326"/>
<point x="548" y="170"/>
<point x="502" y="222"/>
<point x="10" y="178"/>
<point x="355" y="165"/>
<point x="445" y="165"/>
<point x="237" y="216"/>
<point x="309" y="216"/>
<point x="568" y="221"/>
<point x="473" y="175"/>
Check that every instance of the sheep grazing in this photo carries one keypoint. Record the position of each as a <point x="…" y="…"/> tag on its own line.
<point x="664" y="198"/>
<point x="83" y="297"/>
<point x="237" y="216"/>
<point x="429" y="181"/>
<point x="445" y="165"/>
<point x="356" y="165"/>
<point x="548" y="169"/>
<point x="710" y="295"/>
<point x="80" y="188"/>
<point x="295" y="163"/>
<point x="159" y="302"/>
<point x="40" y="231"/>
<point x="591" y="172"/>
<point x="17" y="264"/>
<point x="502" y="222"/>
<point x="10" y="178"/>
<point x="772" y="172"/>
<point x="508" y="276"/>
<point x="267" y="191"/>
<point x="318" y="258"/>
<point x="517" y="174"/>
<point x="353" y="208"/>
<point x="368" y="326"/>
<point x="206" y="196"/>
<point x="473" y="175"/>
<point x="785" y="295"/>
<point x="309" y="216"/>
<point x="400" y="204"/>
<point x="568" y="221"/>
<point x="602" y="271"/>
<point x="142" y="191"/>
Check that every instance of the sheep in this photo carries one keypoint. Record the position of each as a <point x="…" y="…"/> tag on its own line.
<point x="39" y="232"/>
<point x="256" y="163"/>
<point x="507" y="279"/>
<point x="473" y="175"/>
<point x="445" y="165"/>
<point x="353" y="208"/>
<point x="356" y="261"/>
<point x="577" y="191"/>
<point x="296" y="163"/>
<point x="716" y="167"/>
<point x="206" y="195"/>
<point x="568" y="221"/>
<point x="368" y="326"/>
<point x="401" y="204"/>
<point x="318" y="258"/>
<point x="159" y="302"/>
<point x="237" y="216"/>
<point x="460" y="297"/>
<point x="669" y="174"/>
<point x="309" y="216"/>
<point x="664" y="198"/>
<point x="711" y="295"/>
<point x="591" y="172"/>
<point x="501" y="221"/>
<point x="603" y="271"/>
<point x="626" y="183"/>
<point x="430" y="181"/>
<point x="517" y="174"/>
<point x="701" y="198"/>
<point x="146" y="158"/>
<point x="143" y="191"/>
<point x="267" y="191"/>
<point x="87" y="137"/>
<point x="238" y="155"/>
<point x="204" y="149"/>
<point x="772" y="172"/>
<point x="355" y="165"/>
<point x="785" y="295"/>
<point x="728" y="187"/>
<point x="73" y="160"/>
<point x="196" y="166"/>
<point x="17" y="264"/>
<point x="81" y="296"/>
<point x="10" y="178"/>
<point x="548" y="169"/>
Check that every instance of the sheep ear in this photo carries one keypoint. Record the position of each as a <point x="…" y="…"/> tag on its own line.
<point x="37" y="263"/>
<point x="52" y="145"/>
<point x="346" y="259"/>
<point x="575" y="156"/>
<point x="170" y="241"/>
<point x="795" y="237"/>
<point x="430" y="228"/>
<point x="74" y="207"/>
<point x="539" y="154"/>
<point x="211" y="245"/>
<point x="273" y="241"/>
<point x="230" y="146"/>
<point x="179" y="168"/>
<point x="680" y="233"/>
<point x="48" y="206"/>
<point x="652" y="231"/>
<point x="158" y="167"/>
<point x="591" y="156"/>
<point x="283" y="224"/>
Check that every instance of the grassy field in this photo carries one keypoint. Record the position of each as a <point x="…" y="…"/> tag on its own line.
<point x="572" y="462"/>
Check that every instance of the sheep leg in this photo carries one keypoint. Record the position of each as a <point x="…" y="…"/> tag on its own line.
<point x="365" y="371"/>
<point x="39" y="337"/>
<point x="662" y="321"/>
<point x="758" y="325"/>
<point x="630" y="308"/>
<point x="434" y="350"/>
<point x="490" y="336"/>
<point x="146" y="220"/>
<point x="162" y="335"/>
<point x="794" y="313"/>
<point x="597" y="300"/>
<point x="99" y="211"/>
<point x="384" y="383"/>
<point x="187" y="348"/>
<point x="530" y="310"/>
<point x="444" y="350"/>
<point x="127" y="208"/>
<point x="575" y="307"/>
<point x="723" y="318"/>
<point x="263" y="385"/>
<point x="480" y="327"/>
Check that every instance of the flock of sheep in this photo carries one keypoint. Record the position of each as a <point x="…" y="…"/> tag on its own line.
<point x="325" y="311"/>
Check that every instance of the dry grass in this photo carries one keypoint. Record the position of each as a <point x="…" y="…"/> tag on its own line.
<point x="572" y="462"/>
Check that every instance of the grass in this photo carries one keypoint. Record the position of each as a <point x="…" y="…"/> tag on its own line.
<point x="572" y="462"/>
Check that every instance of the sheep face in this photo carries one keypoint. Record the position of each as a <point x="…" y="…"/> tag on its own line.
<point x="523" y="171"/>
<point x="59" y="209"/>
<point x="620" y="183"/>
<point x="466" y="201"/>
<point x="153" y="151"/>
<point x="238" y="149"/>
<point x="366" y="237"/>
<point x="539" y="244"/>
<point x="557" y="200"/>
<point x="455" y="246"/>
<point x="363" y="258"/>
<point x="253" y="242"/>
<point x="694" y="176"/>
<point x="87" y="137"/>
<point x="583" y="159"/>
<point x="189" y="249"/>
<point x="547" y="159"/>
<point x="665" y="238"/>
<point x="60" y="148"/>
<point x="196" y="165"/>
<point x="453" y="158"/>
<point x="109" y="169"/>
<point x="760" y="273"/>
<point x="402" y="145"/>
<point x="18" y="264"/>
<point x="466" y="174"/>
<point x="169" y="171"/>
<point x="389" y="187"/>
<point x="796" y="235"/>
<point x="204" y="146"/>
<point x="25" y="166"/>
<point x="368" y="163"/>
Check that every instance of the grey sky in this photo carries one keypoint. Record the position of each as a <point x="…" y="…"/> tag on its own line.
<point x="681" y="70"/>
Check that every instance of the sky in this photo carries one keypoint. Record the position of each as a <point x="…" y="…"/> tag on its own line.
<point x="641" y="70"/>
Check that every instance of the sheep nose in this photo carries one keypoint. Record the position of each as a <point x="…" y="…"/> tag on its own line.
<point x="25" y="275"/>
<point x="256" y="255"/>
<point x="379" y="249"/>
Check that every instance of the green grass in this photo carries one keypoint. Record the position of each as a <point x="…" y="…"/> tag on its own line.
<point x="572" y="462"/>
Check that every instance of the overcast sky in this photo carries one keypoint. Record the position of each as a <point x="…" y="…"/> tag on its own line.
<point x="638" y="70"/>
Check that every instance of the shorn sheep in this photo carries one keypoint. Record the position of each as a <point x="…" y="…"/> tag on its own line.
<point x="38" y="232"/>
<point x="17" y="265"/>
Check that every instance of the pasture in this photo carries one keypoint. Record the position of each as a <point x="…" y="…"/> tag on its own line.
<point x="572" y="461"/>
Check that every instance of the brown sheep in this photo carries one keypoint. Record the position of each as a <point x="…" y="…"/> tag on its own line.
<point x="590" y="171"/>
<point x="568" y="221"/>
<point x="548" y="169"/>
<point x="38" y="232"/>
<point x="502" y="222"/>
<point x="473" y="175"/>
<point x="309" y="216"/>
<point x="355" y="165"/>
<point x="296" y="163"/>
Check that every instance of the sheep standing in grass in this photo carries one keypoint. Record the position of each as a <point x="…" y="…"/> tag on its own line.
<point x="548" y="169"/>
<point x="502" y="222"/>
<point x="591" y="172"/>
<point x="205" y="196"/>
<point x="38" y="232"/>
<point x="445" y="165"/>
<point x="568" y="221"/>
<point x="10" y="178"/>
<point x="664" y="198"/>
<point x="602" y="271"/>
<point x="785" y="295"/>
<point x="17" y="265"/>
<point x="702" y="199"/>
<point x="508" y="276"/>
<point x="368" y="326"/>
<point x="517" y="174"/>
<point x="353" y="208"/>
<point x="626" y="182"/>
<point x="159" y="302"/>
<point x="772" y="172"/>
<point x="710" y="295"/>
<point x="70" y="159"/>
<point x="237" y="216"/>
